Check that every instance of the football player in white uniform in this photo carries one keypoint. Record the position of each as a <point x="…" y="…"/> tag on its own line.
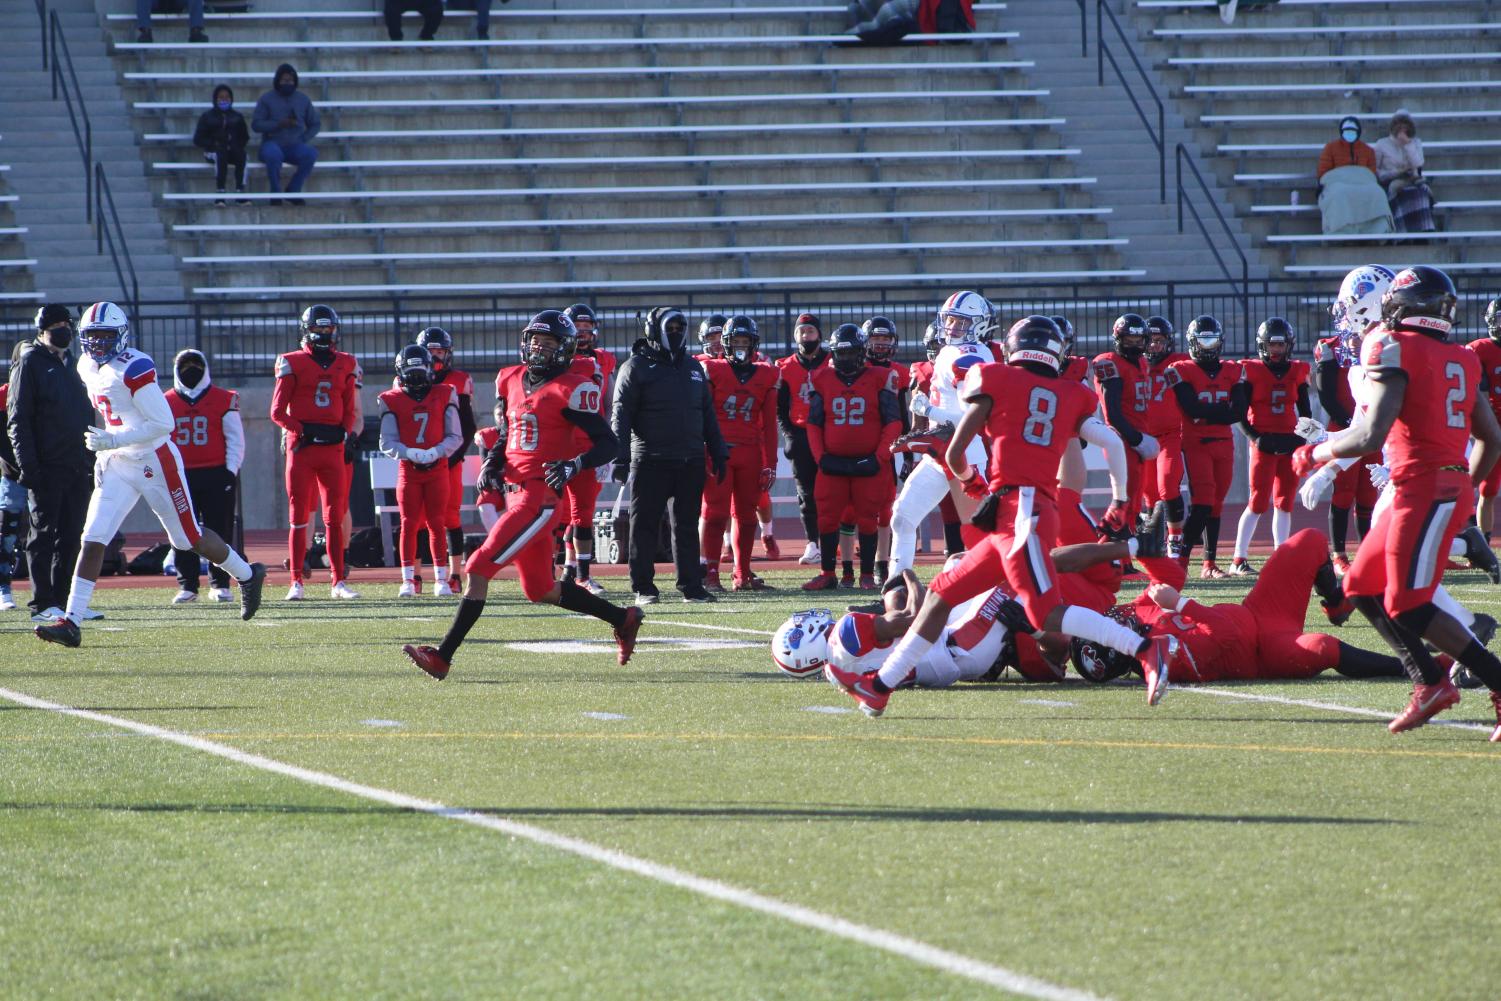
<point x="137" y="459"/>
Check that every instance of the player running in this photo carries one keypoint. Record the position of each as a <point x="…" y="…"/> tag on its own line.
<point x="538" y="404"/>
<point x="136" y="460"/>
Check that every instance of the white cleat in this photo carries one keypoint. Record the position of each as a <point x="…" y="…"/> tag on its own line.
<point x="7" y="603"/>
<point x="220" y="594"/>
<point x="294" y="593"/>
<point x="48" y="614"/>
<point x="593" y="586"/>
<point x="408" y="589"/>
<point x="183" y="597"/>
<point x="90" y="614"/>
<point x="811" y="556"/>
<point x="343" y="591"/>
<point x="443" y="589"/>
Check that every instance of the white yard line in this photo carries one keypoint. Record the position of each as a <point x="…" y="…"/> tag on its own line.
<point x="1327" y="706"/>
<point x="703" y="625"/>
<point x="899" y="945"/>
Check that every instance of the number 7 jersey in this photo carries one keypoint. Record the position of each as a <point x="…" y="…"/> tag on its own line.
<point x="1433" y="427"/>
<point x="1032" y="419"/>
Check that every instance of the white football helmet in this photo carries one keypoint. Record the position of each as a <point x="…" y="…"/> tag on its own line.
<point x="1358" y="306"/>
<point x="800" y="647"/>
<point x="965" y="318"/>
<point x="104" y="331"/>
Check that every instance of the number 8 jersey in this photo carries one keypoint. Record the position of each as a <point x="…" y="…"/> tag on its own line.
<point x="537" y="427"/>
<point x="1032" y="419"/>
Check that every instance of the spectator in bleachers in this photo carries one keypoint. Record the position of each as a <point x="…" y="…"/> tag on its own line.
<point x="1349" y="197"/>
<point x="431" y="11"/>
<point x="223" y="136"/>
<point x="195" y="21"/>
<point x="1399" y="168"/>
<point x="482" y="18"/>
<point x="287" y="122"/>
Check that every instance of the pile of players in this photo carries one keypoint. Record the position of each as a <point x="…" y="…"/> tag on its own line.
<point x="1039" y="590"/>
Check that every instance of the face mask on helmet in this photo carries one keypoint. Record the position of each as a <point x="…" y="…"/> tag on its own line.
<point x="585" y="327"/>
<point x="713" y="342"/>
<point x="741" y="349"/>
<point x="880" y="346"/>
<point x="542" y="351"/>
<point x="1129" y="332"/>
<point x="1493" y="319"/>
<point x="1067" y="330"/>
<point x="414" y="371"/>
<point x="1205" y="339"/>
<point x="932" y="341"/>
<point x="800" y="646"/>
<point x="103" y="332"/>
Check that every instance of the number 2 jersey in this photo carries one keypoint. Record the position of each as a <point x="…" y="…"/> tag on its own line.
<point x="1433" y="427"/>
<point x="537" y="427"/>
<point x="1032" y="419"/>
<point x="125" y="393"/>
<point x="745" y="401"/>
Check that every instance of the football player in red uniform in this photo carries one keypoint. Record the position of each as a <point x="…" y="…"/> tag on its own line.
<point x="1278" y="395"/>
<point x="1162" y="475"/>
<point x="538" y="404"/>
<point x="419" y="427"/>
<point x="1125" y="391"/>
<point x="745" y="398"/>
<point x="439" y="345"/>
<point x="490" y="501"/>
<point x="582" y="492"/>
<point x="808" y="356"/>
<point x="711" y="337"/>
<point x="1423" y="406"/>
<point x="1029" y="414"/>
<point x="881" y="343"/>
<point x="316" y="403"/>
<point x="1488" y="350"/>
<point x="1073" y="471"/>
<point x="853" y="417"/>
<point x="1213" y="396"/>
<point x="208" y="432"/>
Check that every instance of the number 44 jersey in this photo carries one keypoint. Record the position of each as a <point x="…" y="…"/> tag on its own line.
<point x="538" y="430"/>
<point x="1032" y="418"/>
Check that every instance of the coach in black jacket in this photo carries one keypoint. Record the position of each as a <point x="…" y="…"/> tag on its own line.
<point x="47" y="414"/>
<point x="664" y="419"/>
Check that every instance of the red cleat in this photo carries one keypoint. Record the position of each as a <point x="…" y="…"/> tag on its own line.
<point x="1427" y="702"/>
<point x="867" y="582"/>
<point x="823" y="582"/>
<point x="625" y="634"/>
<point x="773" y="551"/>
<point x="858" y="687"/>
<point x="751" y="583"/>
<point x="1341" y="564"/>
<point x="427" y="658"/>
<point x="1212" y="571"/>
<point x="1154" y="666"/>
<point x="1496" y="733"/>
<point x="1338" y="614"/>
<point x="711" y="580"/>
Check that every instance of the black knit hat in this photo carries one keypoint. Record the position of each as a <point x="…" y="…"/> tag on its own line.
<point x="53" y="312"/>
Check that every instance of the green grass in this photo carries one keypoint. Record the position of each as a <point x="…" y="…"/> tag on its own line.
<point x="1208" y="848"/>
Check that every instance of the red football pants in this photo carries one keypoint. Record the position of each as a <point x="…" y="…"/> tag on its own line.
<point x="741" y="493"/>
<point x="580" y="497"/>
<point x="522" y="536"/>
<point x="1211" y="465"/>
<point x="1278" y="603"/>
<point x="312" y="470"/>
<point x="1027" y="569"/>
<point x="1403" y="558"/>
<point x="1162" y="477"/>
<point x="862" y="495"/>
<point x="1272" y="482"/>
<point x="422" y="500"/>
<point x="452" y="516"/>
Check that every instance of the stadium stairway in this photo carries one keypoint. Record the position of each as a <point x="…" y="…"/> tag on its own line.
<point x="47" y="173"/>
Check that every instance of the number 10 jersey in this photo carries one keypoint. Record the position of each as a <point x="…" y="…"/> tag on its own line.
<point x="537" y="427"/>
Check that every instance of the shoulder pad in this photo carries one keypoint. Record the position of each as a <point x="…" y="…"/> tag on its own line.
<point x="283" y="366"/>
<point x="1105" y="369"/>
<point x="584" y="396"/>
<point x="1381" y="350"/>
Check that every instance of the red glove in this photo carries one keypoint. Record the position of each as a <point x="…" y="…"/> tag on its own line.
<point x="768" y="477"/>
<point x="1303" y="461"/>
<point x="975" y="486"/>
<point x="1116" y="517"/>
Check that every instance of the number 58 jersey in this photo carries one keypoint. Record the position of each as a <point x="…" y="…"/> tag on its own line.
<point x="538" y="430"/>
<point x="1032" y="419"/>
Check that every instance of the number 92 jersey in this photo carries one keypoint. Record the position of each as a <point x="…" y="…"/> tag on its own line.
<point x="954" y="361"/>
<point x="538" y="430"/>
<point x="112" y="389"/>
<point x="1032" y="419"/>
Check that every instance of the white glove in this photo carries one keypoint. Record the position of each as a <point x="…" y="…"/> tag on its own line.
<point x="1317" y="486"/>
<point x="1147" y="448"/>
<point x="1310" y="430"/>
<point x="1381" y="476"/>
<point x="421" y="456"/>
<point x="99" y="440"/>
<point x="921" y="405"/>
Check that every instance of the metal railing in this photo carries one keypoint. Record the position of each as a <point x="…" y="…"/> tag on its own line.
<point x="109" y="232"/>
<point x="41" y="13"/>
<point x="1182" y="156"/>
<point x="1083" y="30"/>
<point x="84" y="134"/>
<point x="1103" y="53"/>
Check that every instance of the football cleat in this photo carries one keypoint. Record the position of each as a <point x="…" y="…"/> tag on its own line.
<point x="867" y="582"/>
<point x="589" y="584"/>
<point x="343" y="591"/>
<point x="221" y="594"/>
<point x="811" y="556"/>
<point x="428" y="659"/>
<point x="642" y="600"/>
<point x="1483" y="628"/>
<point x="625" y="634"/>
<point x="1212" y="571"/>
<point x="1154" y="666"/>
<point x="294" y="593"/>
<point x="1178" y="550"/>
<point x="1341" y="564"/>
<point x="1427" y="701"/>
<point x="711" y="580"/>
<point x="858" y="687"/>
<point x="408" y="589"/>
<point x="7" y="602"/>
<point x="1241" y="568"/>
<point x="1463" y="677"/>
<point x="773" y="551"/>
<point x="183" y="597"/>
<point x="1480" y="554"/>
<point x="847" y="579"/>
<point x="443" y="589"/>
<point x="823" y="582"/>
<point x="932" y="441"/>
<point x="750" y="583"/>
<point x="62" y="630"/>
<point x="699" y="596"/>
<point x="1338" y="614"/>
<point x="251" y="591"/>
<point x="48" y="614"/>
<point x="90" y="614"/>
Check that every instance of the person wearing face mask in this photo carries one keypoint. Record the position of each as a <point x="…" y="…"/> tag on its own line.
<point x="287" y="122"/>
<point x="47" y="414"/>
<point x="663" y="417"/>
<point x="808" y="356"/>
<point x="1399" y="168"/>
<point x="208" y="432"/>
<point x="1349" y="197"/>
<point x="223" y="136"/>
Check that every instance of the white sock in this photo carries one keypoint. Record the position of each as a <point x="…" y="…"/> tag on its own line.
<point x="234" y="564"/>
<point x="1456" y="548"/>
<point x="1243" y="532"/>
<point x="1087" y="624"/>
<point x="440" y="575"/>
<point x="1282" y="526"/>
<point x="408" y="573"/>
<point x="1445" y="601"/>
<point x="903" y="659"/>
<point x="79" y="596"/>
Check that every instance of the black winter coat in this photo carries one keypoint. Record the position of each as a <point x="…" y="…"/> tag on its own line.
<point x="663" y="408"/>
<point x="47" y="415"/>
<point x="222" y="132"/>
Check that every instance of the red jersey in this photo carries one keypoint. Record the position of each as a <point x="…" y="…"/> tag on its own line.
<point x="604" y="360"/>
<point x="799" y="379"/>
<point x="1214" y="388"/>
<point x="1331" y="349"/>
<point x="1487" y="350"/>
<point x="1218" y="640"/>
<point x="1274" y="398"/>
<point x="997" y="351"/>
<point x="309" y="392"/>
<point x="420" y="423"/>
<point x="746" y="404"/>
<point x="1032" y="419"/>
<point x="1163" y="416"/>
<point x="1136" y="384"/>
<point x="199" y="426"/>
<point x="1433" y="427"/>
<point x="588" y="367"/>
<point x="854" y="419"/>
<point x="537" y="430"/>
<point x="1075" y="368"/>
<point x="902" y="372"/>
<point x="922" y="376"/>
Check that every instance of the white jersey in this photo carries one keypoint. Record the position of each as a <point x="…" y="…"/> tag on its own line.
<point x="949" y="369"/>
<point x="969" y="646"/>
<point x="129" y="401"/>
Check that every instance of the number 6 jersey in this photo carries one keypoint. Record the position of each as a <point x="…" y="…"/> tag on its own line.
<point x="1032" y="419"/>
<point x="537" y="427"/>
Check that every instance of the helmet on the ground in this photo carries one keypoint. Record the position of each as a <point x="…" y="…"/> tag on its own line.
<point x="439" y="344"/>
<point x="932" y="341"/>
<point x="711" y="334"/>
<point x="1129" y="334"/>
<point x="320" y="329"/>
<point x="1206" y="338"/>
<point x="1067" y="330"/>
<point x="880" y="338"/>
<point x="847" y="344"/>
<point x="806" y="331"/>
<point x="800" y="646"/>
<point x="1421" y="299"/>
<point x="548" y="361"/>
<point x="104" y="331"/>
<point x="1161" y="338"/>
<point x="1099" y="663"/>
<point x="1034" y="340"/>
<point x="740" y="327"/>
<point x="585" y="325"/>
<point x="1275" y="331"/>
<point x="1357" y="307"/>
<point x="964" y="318"/>
<point x="414" y="370"/>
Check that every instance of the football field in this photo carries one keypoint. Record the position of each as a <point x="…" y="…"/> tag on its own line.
<point x="191" y="806"/>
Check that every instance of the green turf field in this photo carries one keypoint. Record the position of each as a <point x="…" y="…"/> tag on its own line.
<point x="1213" y="847"/>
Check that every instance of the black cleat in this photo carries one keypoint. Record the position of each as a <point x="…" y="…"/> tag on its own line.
<point x="1151" y="534"/>
<point x="250" y="591"/>
<point x="1480" y="554"/>
<point x="63" y="631"/>
<point x="1484" y="628"/>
